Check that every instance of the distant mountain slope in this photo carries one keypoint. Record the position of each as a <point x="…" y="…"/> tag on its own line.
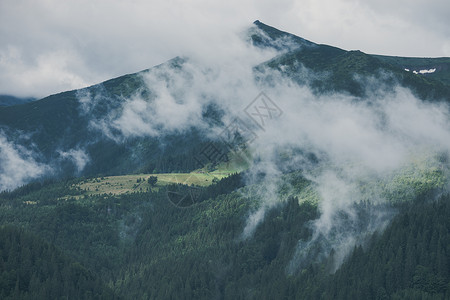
<point x="8" y="100"/>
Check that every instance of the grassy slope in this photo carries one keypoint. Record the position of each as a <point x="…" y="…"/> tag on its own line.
<point x="123" y="184"/>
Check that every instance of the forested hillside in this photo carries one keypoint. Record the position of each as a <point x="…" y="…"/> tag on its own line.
<point x="142" y="246"/>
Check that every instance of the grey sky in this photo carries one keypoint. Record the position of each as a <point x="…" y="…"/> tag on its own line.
<point x="50" y="46"/>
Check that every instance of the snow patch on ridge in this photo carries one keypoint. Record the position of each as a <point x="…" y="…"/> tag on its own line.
<point x="424" y="71"/>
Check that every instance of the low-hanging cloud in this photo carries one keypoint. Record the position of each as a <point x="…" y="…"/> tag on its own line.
<point x="78" y="157"/>
<point x="17" y="165"/>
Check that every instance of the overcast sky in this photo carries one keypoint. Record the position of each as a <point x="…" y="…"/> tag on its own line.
<point x="50" y="46"/>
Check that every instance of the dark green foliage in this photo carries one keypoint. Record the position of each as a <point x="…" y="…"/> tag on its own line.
<point x="27" y="189"/>
<point x="223" y="186"/>
<point x="152" y="180"/>
<point x="33" y="269"/>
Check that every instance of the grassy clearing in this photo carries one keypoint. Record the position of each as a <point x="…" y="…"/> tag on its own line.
<point x="118" y="185"/>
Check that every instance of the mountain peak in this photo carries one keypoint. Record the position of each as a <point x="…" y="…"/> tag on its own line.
<point x="275" y="38"/>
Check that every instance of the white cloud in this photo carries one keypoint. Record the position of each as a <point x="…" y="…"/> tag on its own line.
<point x="51" y="72"/>
<point x="77" y="156"/>
<point x="17" y="165"/>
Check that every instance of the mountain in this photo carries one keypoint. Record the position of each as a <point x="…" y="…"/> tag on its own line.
<point x="62" y="124"/>
<point x="288" y="170"/>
